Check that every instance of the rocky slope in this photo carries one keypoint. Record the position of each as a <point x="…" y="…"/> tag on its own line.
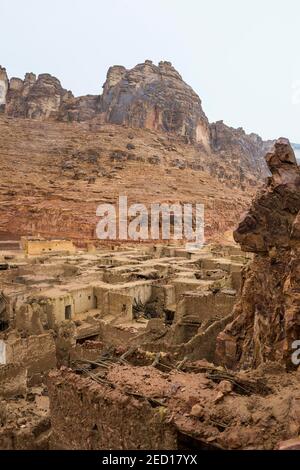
<point x="267" y="321"/>
<point x="146" y="136"/>
<point x="54" y="175"/>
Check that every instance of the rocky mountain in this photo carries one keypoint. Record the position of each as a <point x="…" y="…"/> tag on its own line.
<point x="154" y="97"/>
<point x="267" y="321"/>
<point x="148" y="97"/>
<point x="60" y="155"/>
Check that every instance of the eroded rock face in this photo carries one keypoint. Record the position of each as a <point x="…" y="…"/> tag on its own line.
<point x="154" y="97"/>
<point x="39" y="98"/>
<point x="78" y="109"/>
<point x="3" y="88"/>
<point x="148" y="97"/>
<point x="231" y="143"/>
<point x="267" y="317"/>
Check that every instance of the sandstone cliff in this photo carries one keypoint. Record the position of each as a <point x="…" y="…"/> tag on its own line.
<point x="148" y="97"/>
<point x="154" y="97"/>
<point x="231" y="143"/>
<point x="3" y="88"/>
<point x="35" y="98"/>
<point x="146" y="136"/>
<point x="267" y="318"/>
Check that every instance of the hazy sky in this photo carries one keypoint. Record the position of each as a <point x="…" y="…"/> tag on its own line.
<point x="241" y="56"/>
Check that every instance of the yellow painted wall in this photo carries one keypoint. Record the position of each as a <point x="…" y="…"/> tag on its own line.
<point x="39" y="247"/>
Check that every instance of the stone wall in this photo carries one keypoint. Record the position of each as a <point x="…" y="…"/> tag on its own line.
<point x="13" y="380"/>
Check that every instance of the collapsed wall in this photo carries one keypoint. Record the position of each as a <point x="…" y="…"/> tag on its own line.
<point x="122" y="407"/>
<point x="267" y="317"/>
<point x="90" y="416"/>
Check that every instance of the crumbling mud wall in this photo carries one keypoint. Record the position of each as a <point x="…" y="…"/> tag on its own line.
<point x="128" y="407"/>
<point x="34" y="439"/>
<point x="90" y="416"/>
<point x="37" y="354"/>
<point x="267" y="317"/>
<point x="35" y="247"/>
<point x="23" y="426"/>
<point x="13" y="380"/>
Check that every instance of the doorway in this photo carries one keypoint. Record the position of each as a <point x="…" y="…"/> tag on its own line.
<point x="68" y="312"/>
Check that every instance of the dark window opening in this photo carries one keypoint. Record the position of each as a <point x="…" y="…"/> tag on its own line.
<point x="169" y="316"/>
<point x="4" y="325"/>
<point x="68" y="312"/>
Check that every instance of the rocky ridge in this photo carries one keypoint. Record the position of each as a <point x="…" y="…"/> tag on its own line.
<point x="148" y="97"/>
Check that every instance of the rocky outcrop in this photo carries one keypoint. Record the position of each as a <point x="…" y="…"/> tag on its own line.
<point x="3" y="88"/>
<point x="154" y="97"/>
<point x="267" y="317"/>
<point x="44" y="97"/>
<point x="148" y="97"/>
<point x="230" y="143"/>
<point x="78" y="109"/>
<point x="39" y="98"/>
